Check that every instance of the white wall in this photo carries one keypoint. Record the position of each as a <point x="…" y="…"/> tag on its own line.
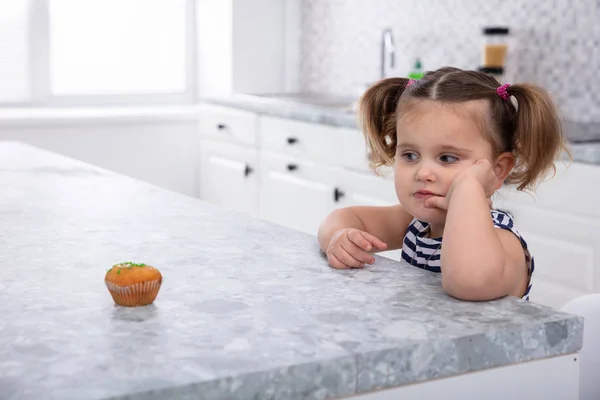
<point x="243" y="45"/>
<point x="214" y="30"/>
<point x="161" y="151"/>
<point x="258" y="45"/>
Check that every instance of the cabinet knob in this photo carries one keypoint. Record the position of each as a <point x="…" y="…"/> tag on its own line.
<point x="221" y="126"/>
<point x="292" y="167"/>
<point x="338" y="194"/>
<point x="292" y="140"/>
<point x="248" y="170"/>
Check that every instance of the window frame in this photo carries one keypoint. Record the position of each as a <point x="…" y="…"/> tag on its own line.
<point x="39" y="64"/>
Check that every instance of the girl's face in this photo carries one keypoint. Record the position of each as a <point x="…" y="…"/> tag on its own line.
<point x="436" y="141"/>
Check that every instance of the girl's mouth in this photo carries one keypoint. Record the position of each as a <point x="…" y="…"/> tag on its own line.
<point x="424" y="194"/>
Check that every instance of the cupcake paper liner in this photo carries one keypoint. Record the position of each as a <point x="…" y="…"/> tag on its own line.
<point x="139" y="294"/>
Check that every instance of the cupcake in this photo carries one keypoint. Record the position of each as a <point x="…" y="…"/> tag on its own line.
<point x="132" y="284"/>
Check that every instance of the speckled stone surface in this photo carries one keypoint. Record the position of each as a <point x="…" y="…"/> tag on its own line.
<point x="586" y="136"/>
<point x="340" y="115"/>
<point x="587" y="153"/>
<point x="247" y="310"/>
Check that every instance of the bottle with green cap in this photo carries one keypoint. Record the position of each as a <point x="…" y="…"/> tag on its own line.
<point x="417" y="72"/>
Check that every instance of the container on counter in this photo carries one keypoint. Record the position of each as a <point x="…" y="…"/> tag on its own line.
<point x="495" y="50"/>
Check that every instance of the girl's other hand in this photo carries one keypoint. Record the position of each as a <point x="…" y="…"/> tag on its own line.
<point x="351" y="248"/>
<point x="442" y="203"/>
<point x="483" y="172"/>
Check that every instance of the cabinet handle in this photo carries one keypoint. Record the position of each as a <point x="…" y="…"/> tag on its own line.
<point x="292" y="140"/>
<point x="292" y="167"/>
<point x="221" y="126"/>
<point x="338" y="194"/>
<point x="248" y="170"/>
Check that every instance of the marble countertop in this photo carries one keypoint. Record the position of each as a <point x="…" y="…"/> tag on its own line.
<point x="334" y="112"/>
<point x="340" y="111"/>
<point x="247" y="310"/>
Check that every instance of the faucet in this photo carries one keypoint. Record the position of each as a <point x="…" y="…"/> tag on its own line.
<point x="387" y="50"/>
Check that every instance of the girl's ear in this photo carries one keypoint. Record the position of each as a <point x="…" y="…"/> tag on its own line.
<point x="503" y="165"/>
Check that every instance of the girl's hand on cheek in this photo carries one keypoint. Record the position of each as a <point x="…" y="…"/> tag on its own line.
<point x="482" y="172"/>
<point x="442" y="202"/>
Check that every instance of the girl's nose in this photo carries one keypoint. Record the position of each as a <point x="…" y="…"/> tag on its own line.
<point x="425" y="173"/>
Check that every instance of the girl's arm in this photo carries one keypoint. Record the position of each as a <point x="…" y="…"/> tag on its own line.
<point x="387" y="224"/>
<point x="479" y="262"/>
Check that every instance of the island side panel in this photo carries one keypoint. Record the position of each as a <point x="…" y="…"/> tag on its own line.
<point x="550" y="378"/>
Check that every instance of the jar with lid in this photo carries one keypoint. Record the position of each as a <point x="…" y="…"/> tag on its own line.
<point x="495" y="49"/>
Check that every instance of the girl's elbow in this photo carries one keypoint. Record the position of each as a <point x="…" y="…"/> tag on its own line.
<point x="466" y="293"/>
<point x="474" y="289"/>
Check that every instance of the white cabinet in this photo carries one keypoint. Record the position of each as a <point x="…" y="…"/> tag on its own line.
<point x="228" y="168"/>
<point x="314" y="169"/>
<point x="288" y="172"/>
<point x="226" y="124"/>
<point x="228" y="176"/>
<point x="560" y="224"/>
<point x="295" y="193"/>
<point x="363" y="189"/>
<point x="329" y="145"/>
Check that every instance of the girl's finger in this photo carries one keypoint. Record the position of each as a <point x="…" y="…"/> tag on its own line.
<point x="357" y="253"/>
<point x="357" y="237"/>
<point x="375" y="241"/>
<point x="347" y="259"/>
<point x="336" y="263"/>
<point x="436" y="202"/>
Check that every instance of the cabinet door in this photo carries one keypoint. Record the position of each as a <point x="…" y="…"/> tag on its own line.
<point x="362" y="189"/>
<point x="295" y="193"/>
<point x="229" y="177"/>
<point x="560" y="224"/>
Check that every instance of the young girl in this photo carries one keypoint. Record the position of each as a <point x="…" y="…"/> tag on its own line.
<point x="453" y="137"/>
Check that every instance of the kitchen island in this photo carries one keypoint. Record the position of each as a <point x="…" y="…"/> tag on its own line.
<point x="247" y="310"/>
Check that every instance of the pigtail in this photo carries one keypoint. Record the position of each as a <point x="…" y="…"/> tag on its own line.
<point x="377" y="117"/>
<point x="538" y="138"/>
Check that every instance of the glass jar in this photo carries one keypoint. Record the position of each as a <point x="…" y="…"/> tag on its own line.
<point x="495" y="46"/>
<point x="495" y="49"/>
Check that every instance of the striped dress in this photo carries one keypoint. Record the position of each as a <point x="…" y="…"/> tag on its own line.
<point x="423" y="252"/>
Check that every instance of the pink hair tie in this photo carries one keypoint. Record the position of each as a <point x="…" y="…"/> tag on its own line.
<point x="410" y="82"/>
<point x="502" y="91"/>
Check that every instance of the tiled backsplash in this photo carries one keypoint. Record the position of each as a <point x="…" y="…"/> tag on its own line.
<point x="556" y="43"/>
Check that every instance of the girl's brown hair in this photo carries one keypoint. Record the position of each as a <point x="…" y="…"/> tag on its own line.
<point x="531" y="131"/>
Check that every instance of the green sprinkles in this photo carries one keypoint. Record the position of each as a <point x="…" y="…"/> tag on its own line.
<point x="129" y="264"/>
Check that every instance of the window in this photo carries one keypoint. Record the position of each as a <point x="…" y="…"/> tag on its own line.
<point x="74" y="52"/>
<point x="14" y="52"/>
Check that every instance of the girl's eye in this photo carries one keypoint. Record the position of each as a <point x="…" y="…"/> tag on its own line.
<point x="447" y="158"/>
<point x="409" y="156"/>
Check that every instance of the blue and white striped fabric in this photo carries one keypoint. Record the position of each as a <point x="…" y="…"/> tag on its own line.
<point x="423" y="252"/>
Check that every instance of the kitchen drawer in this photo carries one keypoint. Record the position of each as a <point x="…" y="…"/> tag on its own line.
<point x="331" y="145"/>
<point x="227" y="124"/>
<point x="299" y="193"/>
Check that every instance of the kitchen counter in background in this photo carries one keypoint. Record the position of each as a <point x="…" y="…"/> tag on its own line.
<point x="247" y="310"/>
<point x="340" y="111"/>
